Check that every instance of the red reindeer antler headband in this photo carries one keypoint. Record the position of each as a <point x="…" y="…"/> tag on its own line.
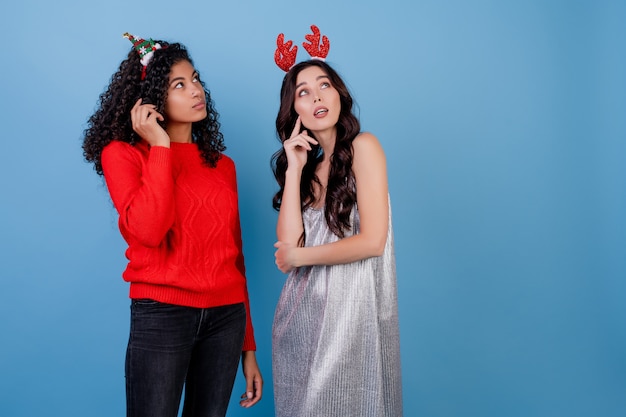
<point x="285" y="55"/>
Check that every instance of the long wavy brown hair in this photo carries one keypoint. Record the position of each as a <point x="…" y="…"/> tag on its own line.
<point x="111" y="120"/>
<point x="341" y="190"/>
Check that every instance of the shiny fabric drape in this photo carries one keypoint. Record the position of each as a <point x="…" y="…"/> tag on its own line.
<point x="335" y="335"/>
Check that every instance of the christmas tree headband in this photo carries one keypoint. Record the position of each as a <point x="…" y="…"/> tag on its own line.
<point x="285" y="55"/>
<point x="145" y="49"/>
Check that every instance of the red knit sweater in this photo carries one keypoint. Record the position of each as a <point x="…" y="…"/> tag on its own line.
<point x="180" y="219"/>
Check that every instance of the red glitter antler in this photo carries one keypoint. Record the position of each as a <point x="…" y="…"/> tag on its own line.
<point x="285" y="55"/>
<point x="314" y="48"/>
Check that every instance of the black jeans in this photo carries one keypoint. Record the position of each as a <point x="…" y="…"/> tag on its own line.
<point x="173" y="346"/>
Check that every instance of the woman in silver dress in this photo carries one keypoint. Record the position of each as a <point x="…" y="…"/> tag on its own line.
<point x="335" y="333"/>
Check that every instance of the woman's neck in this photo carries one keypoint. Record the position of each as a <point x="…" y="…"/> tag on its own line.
<point x="326" y="139"/>
<point x="179" y="132"/>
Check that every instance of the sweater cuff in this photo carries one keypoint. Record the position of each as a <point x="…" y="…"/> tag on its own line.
<point x="159" y="155"/>
<point x="248" y="341"/>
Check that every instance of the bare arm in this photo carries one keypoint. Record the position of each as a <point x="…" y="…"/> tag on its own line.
<point x="289" y="227"/>
<point x="370" y="171"/>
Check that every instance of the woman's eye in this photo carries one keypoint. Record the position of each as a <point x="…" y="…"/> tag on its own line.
<point x="302" y="93"/>
<point x="178" y="85"/>
<point x="325" y="85"/>
<point x="195" y="79"/>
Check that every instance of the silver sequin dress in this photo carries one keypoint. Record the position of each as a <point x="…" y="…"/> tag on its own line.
<point x="335" y="338"/>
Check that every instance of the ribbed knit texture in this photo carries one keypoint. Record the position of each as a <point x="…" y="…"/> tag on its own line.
<point x="180" y="219"/>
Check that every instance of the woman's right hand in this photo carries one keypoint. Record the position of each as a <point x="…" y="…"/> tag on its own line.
<point x="145" y="119"/>
<point x="297" y="147"/>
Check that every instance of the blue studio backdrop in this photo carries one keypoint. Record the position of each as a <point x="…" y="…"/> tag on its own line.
<point x="504" y="126"/>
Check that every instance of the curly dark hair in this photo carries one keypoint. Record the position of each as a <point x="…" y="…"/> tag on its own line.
<point x="112" y="121"/>
<point x="341" y="190"/>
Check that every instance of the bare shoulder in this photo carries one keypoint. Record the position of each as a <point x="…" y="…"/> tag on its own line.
<point x="366" y="139"/>
<point x="368" y="145"/>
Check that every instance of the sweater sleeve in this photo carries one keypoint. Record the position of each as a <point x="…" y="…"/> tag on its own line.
<point x="249" y="342"/>
<point x="141" y="190"/>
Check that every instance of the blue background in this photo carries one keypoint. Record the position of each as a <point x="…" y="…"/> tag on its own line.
<point x="504" y="124"/>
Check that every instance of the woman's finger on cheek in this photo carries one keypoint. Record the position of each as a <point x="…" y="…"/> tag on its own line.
<point x="296" y="128"/>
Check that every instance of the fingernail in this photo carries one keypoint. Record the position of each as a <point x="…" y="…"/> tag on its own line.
<point x="249" y="395"/>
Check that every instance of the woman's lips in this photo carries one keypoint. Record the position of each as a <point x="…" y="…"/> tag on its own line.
<point x="320" y="112"/>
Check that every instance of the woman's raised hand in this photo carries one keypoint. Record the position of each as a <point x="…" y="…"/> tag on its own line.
<point x="297" y="146"/>
<point x="144" y="118"/>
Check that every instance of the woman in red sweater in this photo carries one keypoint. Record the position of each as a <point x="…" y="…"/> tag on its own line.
<point x="155" y="138"/>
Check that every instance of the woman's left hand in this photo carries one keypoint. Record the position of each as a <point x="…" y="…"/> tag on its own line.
<point x="285" y="256"/>
<point x="254" y="380"/>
